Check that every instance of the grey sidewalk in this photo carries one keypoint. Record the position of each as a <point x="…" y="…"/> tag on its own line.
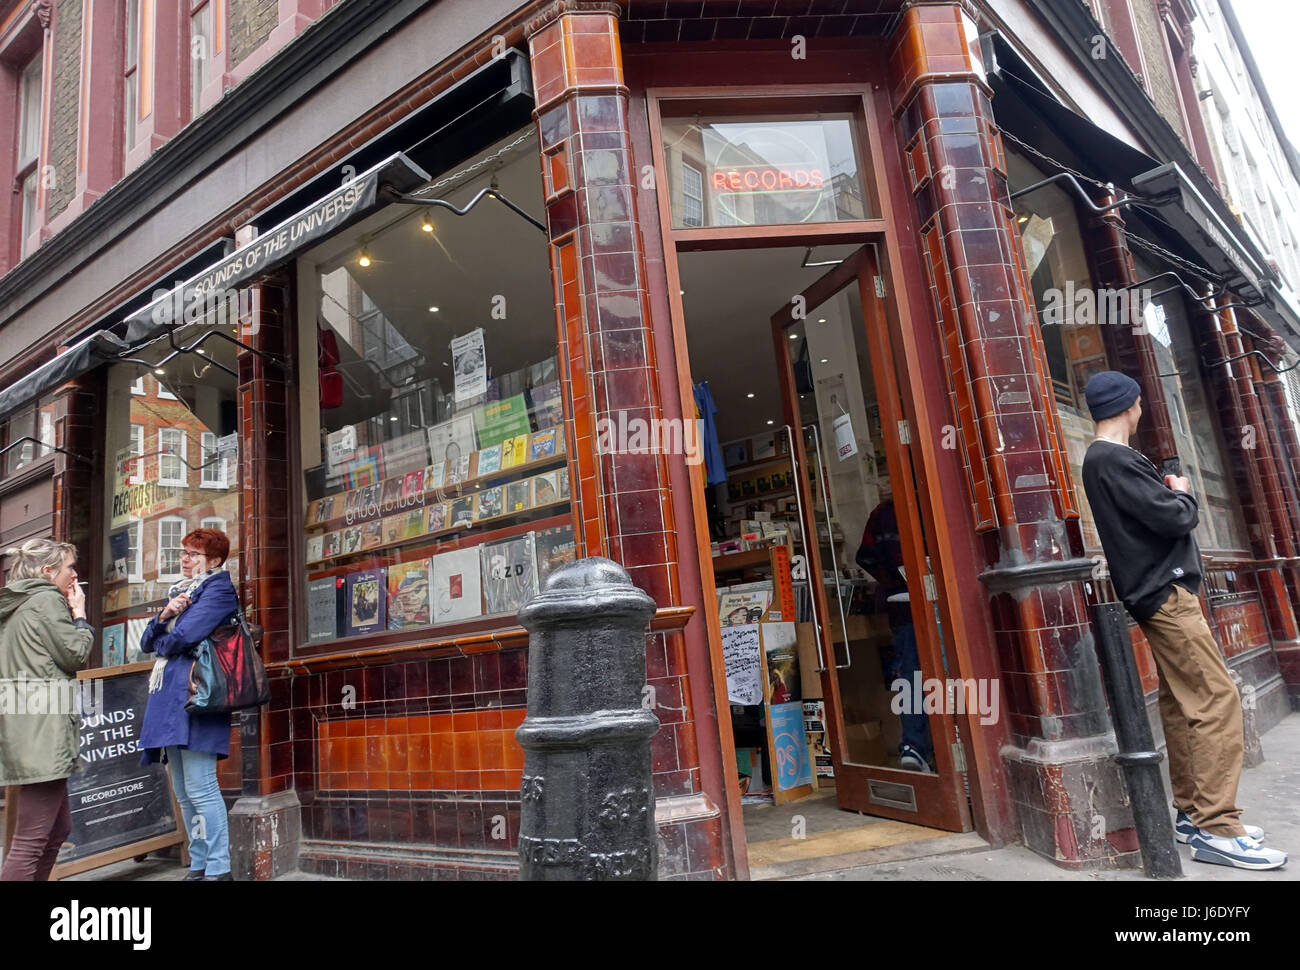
<point x="1269" y="794"/>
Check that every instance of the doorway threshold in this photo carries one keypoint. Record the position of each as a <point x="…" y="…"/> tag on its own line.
<point x="836" y="839"/>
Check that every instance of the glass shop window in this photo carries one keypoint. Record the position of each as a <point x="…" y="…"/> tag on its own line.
<point x="763" y="169"/>
<point x="1195" y="425"/>
<point x="436" y="486"/>
<point x="172" y="467"/>
<point x="1070" y="314"/>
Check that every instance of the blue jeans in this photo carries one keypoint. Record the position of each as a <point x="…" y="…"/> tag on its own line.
<point x="203" y="811"/>
<point x="901" y="660"/>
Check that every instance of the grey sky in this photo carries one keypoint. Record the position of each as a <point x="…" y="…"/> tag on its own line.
<point x="1271" y="27"/>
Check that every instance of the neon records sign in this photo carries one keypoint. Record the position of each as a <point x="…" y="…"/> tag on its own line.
<point x="767" y="166"/>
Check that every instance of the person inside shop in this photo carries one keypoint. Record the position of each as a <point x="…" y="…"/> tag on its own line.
<point x="44" y="640"/>
<point x="881" y="555"/>
<point x="1147" y="525"/>
<point x="191" y="744"/>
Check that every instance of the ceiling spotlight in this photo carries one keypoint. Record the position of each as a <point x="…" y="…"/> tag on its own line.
<point x="427" y="226"/>
<point x="159" y="371"/>
<point x="824" y="360"/>
<point x="198" y="350"/>
<point x="750" y="394"/>
<point x="433" y="309"/>
<point x="1022" y="220"/>
<point x="821" y="319"/>
<point x="794" y="336"/>
<point x="364" y="260"/>
<point x="681" y="292"/>
<point x="770" y="421"/>
<point x="392" y="417"/>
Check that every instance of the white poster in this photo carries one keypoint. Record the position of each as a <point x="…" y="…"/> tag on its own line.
<point x="341" y="445"/>
<point x="469" y="364"/>
<point x="454" y="439"/>
<point x="742" y="663"/>
<point x="846" y="445"/>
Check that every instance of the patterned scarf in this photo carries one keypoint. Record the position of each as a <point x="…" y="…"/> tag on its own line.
<point x="182" y="585"/>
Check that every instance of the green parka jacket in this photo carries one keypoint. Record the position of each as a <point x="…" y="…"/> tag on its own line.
<point x="41" y="650"/>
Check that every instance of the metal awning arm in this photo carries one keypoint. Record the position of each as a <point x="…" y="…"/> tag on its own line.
<point x="490" y="192"/>
<point x="63" y="451"/>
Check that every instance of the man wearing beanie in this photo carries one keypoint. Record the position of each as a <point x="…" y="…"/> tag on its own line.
<point x="1146" y="526"/>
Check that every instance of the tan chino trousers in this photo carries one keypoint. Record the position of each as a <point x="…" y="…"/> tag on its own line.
<point x="1201" y="711"/>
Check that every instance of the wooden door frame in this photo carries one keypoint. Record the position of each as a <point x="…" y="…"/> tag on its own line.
<point x="878" y="150"/>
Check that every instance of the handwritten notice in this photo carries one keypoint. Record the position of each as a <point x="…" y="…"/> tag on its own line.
<point x="741" y="660"/>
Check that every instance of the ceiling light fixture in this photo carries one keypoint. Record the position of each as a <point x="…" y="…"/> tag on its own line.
<point x="433" y="309"/>
<point x="821" y="319"/>
<point x="427" y="225"/>
<point x="159" y="371"/>
<point x="364" y="260"/>
<point x="794" y="336"/>
<point x="770" y="421"/>
<point x="750" y="394"/>
<point x="824" y="360"/>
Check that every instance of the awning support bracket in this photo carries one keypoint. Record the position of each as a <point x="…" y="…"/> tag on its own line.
<point x="1084" y="197"/>
<point x="488" y="192"/>
<point x="278" y="360"/>
<point x="44" y="444"/>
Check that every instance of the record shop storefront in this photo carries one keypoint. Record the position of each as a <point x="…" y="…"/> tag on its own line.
<point x="389" y="389"/>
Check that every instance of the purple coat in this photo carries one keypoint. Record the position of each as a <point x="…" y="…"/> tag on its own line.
<point x="166" y="722"/>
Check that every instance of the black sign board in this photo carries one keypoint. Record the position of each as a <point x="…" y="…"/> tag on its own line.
<point x="115" y="802"/>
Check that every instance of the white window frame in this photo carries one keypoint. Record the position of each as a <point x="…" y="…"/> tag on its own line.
<point x="137" y="448"/>
<point x="214" y="475"/>
<point x="135" y="565"/>
<point x="213" y="522"/>
<point x="163" y="523"/>
<point x="164" y="394"/>
<point x="137" y="388"/>
<point x="688" y="167"/>
<point x="183" y="480"/>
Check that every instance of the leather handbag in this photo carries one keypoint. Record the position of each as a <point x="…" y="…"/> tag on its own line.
<point x="228" y="674"/>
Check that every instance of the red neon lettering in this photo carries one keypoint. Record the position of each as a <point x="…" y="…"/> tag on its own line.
<point x="719" y="181"/>
<point x="733" y="178"/>
<point x="801" y="178"/>
<point x="769" y="179"/>
<point x="785" y="180"/>
<point x="817" y="180"/>
<point x="751" y="179"/>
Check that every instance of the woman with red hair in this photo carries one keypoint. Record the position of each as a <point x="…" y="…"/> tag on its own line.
<point x="192" y="744"/>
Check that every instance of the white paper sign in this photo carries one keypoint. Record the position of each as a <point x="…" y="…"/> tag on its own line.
<point x="469" y="364"/>
<point x="742" y="663"/>
<point x="341" y="445"/>
<point x="846" y="445"/>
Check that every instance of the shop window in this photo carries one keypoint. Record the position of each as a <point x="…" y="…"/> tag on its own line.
<point x="202" y="33"/>
<point x="760" y="170"/>
<point x="171" y="457"/>
<point x="213" y="523"/>
<point x="171" y="529"/>
<point x="36" y="425"/>
<point x="436" y="488"/>
<point x="29" y="146"/>
<point x="1070" y="313"/>
<point x="152" y="498"/>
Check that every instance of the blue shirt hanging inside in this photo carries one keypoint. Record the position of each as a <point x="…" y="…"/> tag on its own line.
<point x="715" y="472"/>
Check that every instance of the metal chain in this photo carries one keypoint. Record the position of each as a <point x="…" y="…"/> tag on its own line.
<point x="1205" y="274"/>
<point x="1048" y="158"/>
<point x="485" y="160"/>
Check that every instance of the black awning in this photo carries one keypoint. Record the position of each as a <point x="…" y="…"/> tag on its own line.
<point x="1026" y="109"/>
<point x="346" y="204"/>
<point x="83" y="356"/>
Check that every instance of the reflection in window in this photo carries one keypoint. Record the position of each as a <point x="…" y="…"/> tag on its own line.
<point x="170" y="531"/>
<point x="436" y="481"/>
<point x="171" y="456"/>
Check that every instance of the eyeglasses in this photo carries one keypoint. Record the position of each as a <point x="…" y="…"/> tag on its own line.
<point x="190" y="554"/>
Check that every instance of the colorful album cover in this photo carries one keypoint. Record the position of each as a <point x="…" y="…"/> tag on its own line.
<point x="553" y="548"/>
<point x="413" y="484"/>
<point x="542" y="444"/>
<point x="458" y="470"/>
<point x="324" y="510"/>
<point x="489" y="461"/>
<point x="408" y="594"/>
<point x="372" y="534"/>
<point x="366" y="468"/>
<point x="114" y="645"/>
<point x="394" y="528"/>
<point x="501" y="419"/>
<point x="457" y="586"/>
<point x="332" y="545"/>
<point x="392" y="491"/>
<point x="489" y="503"/>
<point x="413" y="525"/>
<point x="518" y="446"/>
<point x="461" y="512"/>
<point x="367" y="601"/>
<point x="509" y="574"/>
<point x="435" y="476"/>
<point x="315" y="548"/>
<point x="369" y="503"/>
<point x="351" y="540"/>
<point x="352" y="505"/>
<point x="519" y="496"/>
<point x="437" y="517"/>
<point x="546" y="489"/>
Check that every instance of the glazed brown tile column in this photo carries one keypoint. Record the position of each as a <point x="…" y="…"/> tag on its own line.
<point x="265" y="823"/>
<point x="621" y="501"/>
<point x="79" y="429"/>
<point x="1069" y="796"/>
<point x="1129" y="348"/>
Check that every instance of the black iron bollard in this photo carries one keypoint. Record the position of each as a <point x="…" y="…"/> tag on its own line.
<point x="588" y="808"/>
<point x="1137" y="754"/>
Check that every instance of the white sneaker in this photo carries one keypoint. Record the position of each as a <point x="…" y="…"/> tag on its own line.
<point x="1240" y="853"/>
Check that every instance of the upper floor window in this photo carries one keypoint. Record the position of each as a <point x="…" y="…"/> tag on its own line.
<point x="202" y="32"/>
<point x="171" y="457"/>
<point x="29" y="145"/>
<point x="131" y="75"/>
<point x="214" y="467"/>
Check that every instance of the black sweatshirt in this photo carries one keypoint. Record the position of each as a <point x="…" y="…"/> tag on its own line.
<point x="1146" y="527"/>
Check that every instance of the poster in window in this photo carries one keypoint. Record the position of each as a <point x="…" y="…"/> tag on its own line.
<point x="413" y="484"/>
<point x="554" y="548"/>
<point x="461" y="513"/>
<point x="546" y="489"/>
<point x="457" y="588"/>
<point x="509" y="574"/>
<point x="435" y="475"/>
<point x="114" y="643"/>
<point x="500" y="420"/>
<point x="406" y="453"/>
<point x="489" y="503"/>
<point x="458" y="470"/>
<point x="366" y="601"/>
<point x="469" y="365"/>
<point x="489" y="461"/>
<point x="366" y="468"/>
<point x="453" y="439"/>
<point x="325" y="608"/>
<point x="542" y="445"/>
<point x="437" y="520"/>
<point x="340" y="446"/>
<point x="315" y="548"/>
<point x="793" y="767"/>
<point x="548" y="409"/>
<point x="408" y="594"/>
<point x="119" y="551"/>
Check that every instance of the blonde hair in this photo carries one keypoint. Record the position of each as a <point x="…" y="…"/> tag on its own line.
<point x="33" y="557"/>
